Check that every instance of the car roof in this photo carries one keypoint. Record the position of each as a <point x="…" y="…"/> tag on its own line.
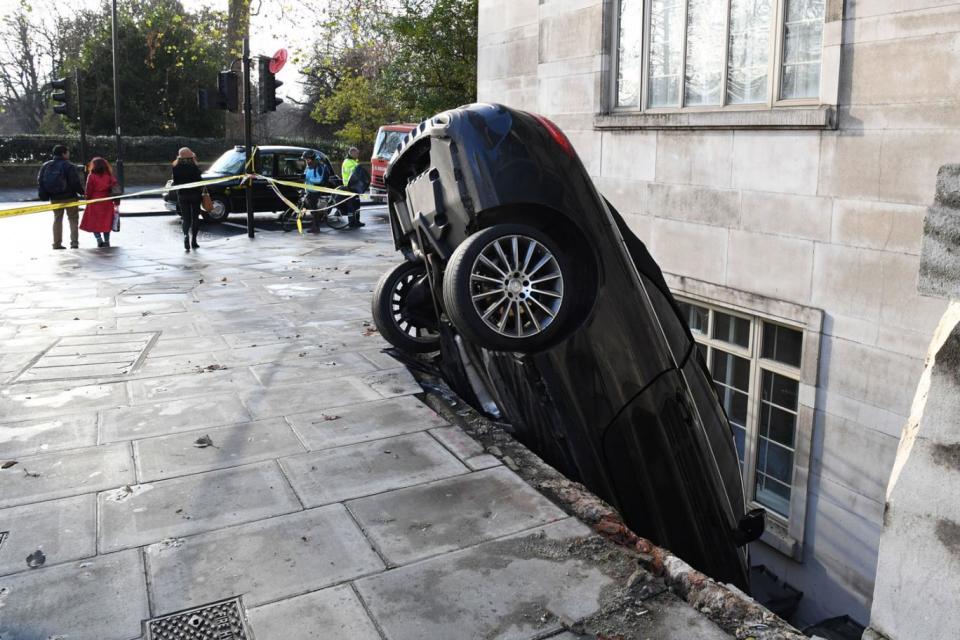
<point x="279" y="148"/>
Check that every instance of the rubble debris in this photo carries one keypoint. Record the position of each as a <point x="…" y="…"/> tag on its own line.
<point x="36" y="559"/>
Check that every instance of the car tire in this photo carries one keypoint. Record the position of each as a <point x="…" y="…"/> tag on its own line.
<point x="391" y="317"/>
<point x="220" y="212"/>
<point x="509" y="287"/>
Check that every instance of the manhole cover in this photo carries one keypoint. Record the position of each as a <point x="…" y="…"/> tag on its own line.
<point x="224" y="620"/>
<point x="91" y="356"/>
<point x="159" y="288"/>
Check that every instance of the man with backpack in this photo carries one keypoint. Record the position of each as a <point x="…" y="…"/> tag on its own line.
<point x="59" y="181"/>
<point x="356" y="179"/>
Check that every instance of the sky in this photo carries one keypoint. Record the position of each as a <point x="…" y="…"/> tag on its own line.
<point x="272" y="28"/>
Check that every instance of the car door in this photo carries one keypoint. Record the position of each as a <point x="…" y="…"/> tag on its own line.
<point x="290" y="168"/>
<point x="264" y="198"/>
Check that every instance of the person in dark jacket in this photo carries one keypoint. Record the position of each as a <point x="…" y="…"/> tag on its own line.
<point x="185" y="171"/>
<point x="59" y="181"/>
<point x="357" y="180"/>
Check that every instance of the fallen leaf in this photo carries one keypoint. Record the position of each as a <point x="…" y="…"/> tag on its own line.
<point x="8" y="464"/>
<point x="30" y="474"/>
<point x="203" y="442"/>
<point x="36" y="559"/>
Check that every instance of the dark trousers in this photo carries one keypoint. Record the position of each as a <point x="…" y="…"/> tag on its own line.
<point x="190" y="217"/>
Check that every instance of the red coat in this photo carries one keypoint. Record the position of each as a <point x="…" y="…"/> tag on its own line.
<point x="99" y="215"/>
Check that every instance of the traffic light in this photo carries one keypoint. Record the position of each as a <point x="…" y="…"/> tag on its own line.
<point x="268" y="86"/>
<point x="63" y="101"/>
<point x="228" y="87"/>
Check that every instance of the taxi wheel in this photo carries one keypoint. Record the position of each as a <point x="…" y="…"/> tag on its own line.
<point x="220" y="212"/>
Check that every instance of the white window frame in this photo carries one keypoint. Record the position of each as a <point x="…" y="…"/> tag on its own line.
<point x="785" y="534"/>
<point x="807" y="113"/>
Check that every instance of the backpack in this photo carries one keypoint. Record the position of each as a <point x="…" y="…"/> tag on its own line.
<point x="52" y="180"/>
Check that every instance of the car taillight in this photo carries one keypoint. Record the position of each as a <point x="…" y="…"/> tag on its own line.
<point x="558" y="136"/>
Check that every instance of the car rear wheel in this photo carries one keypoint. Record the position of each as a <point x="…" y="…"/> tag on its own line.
<point x="403" y="309"/>
<point x="506" y="288"/>
<point x="220" y="211"/>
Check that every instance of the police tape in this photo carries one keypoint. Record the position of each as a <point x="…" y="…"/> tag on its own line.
<point x="40" y="208"/>
<point x="301" y="211"/>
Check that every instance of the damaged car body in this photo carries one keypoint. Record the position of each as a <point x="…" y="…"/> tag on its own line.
<point x="550" y="314"/>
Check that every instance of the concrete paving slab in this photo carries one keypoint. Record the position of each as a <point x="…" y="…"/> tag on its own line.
<point x="368" y="468"/>
<point x="27" y="401"/>
<point x="63" y="474"/>
<point x="63" y="530"/>
<point x="182" y="363"/>
<point x="263" y="561"/>
<point x="484" y="461"/>
<point x="270" y="353"/>
<point x="46" y="435"/>
<point x="140" y="514"/>
<point x="453" y="595"/>
<point x="457" y="440"/>
<point x="199" y="382"/>
<point x="364" y="422"/>
<point x="307" y="369"/>
<point x="331" y="613"/>
<point x="380" y="359"/>
<point x="103" y="598"/>
<point x="178" y="454"/>
<point x="171" y="345"/>
<point x="423" y="521"/>
<point x="163" y="418"/>
<point x="285" y="400"/>
<point x="392" y="382"/>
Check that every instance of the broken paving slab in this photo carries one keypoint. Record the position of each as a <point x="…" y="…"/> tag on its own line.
<point x="513" y="589"/>
<point x="284" y="400"/>
<point x="363" y="422"/>
<point x="265" y="561"/>
<point x="64" y="530"/>
<point x="426" y="520"/>
<point x="330" y="613"/>
<point x="368" y="468"/>
<point x="62" y="474"/>
<point x="140" y="514"/>
<point x="180" y="454"/>
<point x="162" y="418"/>
<point x="46" y="435"/>
<point x="103" y="598"/>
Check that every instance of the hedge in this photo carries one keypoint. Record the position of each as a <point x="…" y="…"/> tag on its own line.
<point x="37" y="148"/>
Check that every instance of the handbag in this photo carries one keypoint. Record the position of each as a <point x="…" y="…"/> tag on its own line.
<point x="206" y="202"/>
<point x="116" y="221"/>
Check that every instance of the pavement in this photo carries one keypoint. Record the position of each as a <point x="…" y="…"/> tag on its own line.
<point x="224" y="428"/>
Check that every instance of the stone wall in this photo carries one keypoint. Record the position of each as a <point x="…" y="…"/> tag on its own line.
<point x="830" y="219"/>
<point x="18" y="176"/>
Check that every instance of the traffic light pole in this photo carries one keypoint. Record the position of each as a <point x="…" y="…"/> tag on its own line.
<point x="247" y="126"/>
<point x="82" y="116"/>
<point x="116" y="95"/>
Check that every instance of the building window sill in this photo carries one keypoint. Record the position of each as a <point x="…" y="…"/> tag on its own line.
<point x="775" y="535"/>
<point x="819" y="117"/>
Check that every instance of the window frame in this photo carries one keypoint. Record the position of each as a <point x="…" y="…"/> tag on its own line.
<point x="785" y="534"/>
<point x="807" y="113"/>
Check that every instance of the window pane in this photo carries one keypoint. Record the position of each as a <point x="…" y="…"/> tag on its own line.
<point x="773" y="495"/>
<point x="628" y="74"/>
<point x="803" y="36"/>
<point x="705" y="51"/>
<point x="782" y="344"/>
<point x="777" y="425"/>
<point x="779" y="390"/>
<point x="731" y="329"/>
<point x="696" y="316"/>
<point x="730" y="370"/>
<point x="749" y="51"/>
<point x="666" y="52"/>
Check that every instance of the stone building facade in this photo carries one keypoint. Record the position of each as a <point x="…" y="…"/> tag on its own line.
<point x="777" y="157"/>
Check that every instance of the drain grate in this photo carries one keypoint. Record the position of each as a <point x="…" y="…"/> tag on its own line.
<point x="224" y="620"/>
<point x="89" y="356"/>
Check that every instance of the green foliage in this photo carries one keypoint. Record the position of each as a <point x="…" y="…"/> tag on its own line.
<point x="379" y="62"/>
<point x="167" y="53"/>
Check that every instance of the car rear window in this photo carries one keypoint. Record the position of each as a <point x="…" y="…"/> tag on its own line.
<point x="230" y="163"/>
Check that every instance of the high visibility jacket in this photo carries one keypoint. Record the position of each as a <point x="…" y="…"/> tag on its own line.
<point x="346" y="170"/>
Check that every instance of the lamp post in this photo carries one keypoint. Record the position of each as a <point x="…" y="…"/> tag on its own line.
<point x="116" y="93"/>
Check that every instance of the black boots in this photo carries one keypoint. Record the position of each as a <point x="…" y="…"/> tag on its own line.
<point x="193" y="243"/>
<point x="186" y="243"/>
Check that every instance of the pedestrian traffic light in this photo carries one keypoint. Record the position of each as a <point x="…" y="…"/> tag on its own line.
<point x="268" y="86"/>
<point x="228" y="91"/>
<point x="63" y="101"/>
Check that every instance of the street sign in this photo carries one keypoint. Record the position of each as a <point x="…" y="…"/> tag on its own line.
<point x="278" y="60"/>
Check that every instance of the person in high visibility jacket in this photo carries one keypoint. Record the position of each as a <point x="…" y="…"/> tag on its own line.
<point x="357" y="180"/>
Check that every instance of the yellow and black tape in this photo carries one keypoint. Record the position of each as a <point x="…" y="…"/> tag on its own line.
<point x="40" y="208"/>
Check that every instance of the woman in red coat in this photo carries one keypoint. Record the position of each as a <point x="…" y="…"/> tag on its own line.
<point x="98" y="217"/>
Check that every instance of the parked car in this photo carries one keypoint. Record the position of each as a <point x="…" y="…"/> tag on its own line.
<point x="549" y="313"/>
<point x="279" y="162"/>
<point x="389" y="137"/>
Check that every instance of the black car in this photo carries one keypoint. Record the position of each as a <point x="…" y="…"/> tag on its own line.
<point x="548" y="312"/>
<point x="281" y="162"/>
